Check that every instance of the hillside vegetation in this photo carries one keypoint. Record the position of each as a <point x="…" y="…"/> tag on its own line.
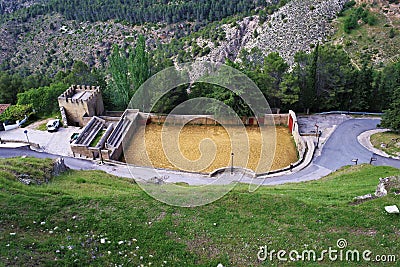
<point x="50" y="37"/>
<point x="370" y="31"/>
<point x="83" y="218"/>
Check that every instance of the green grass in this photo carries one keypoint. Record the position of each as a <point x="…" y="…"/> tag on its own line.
<point x="389" y="139"/>
<point x="42" y="127"/>
<point x="97" y="138"/>
<point x="80" y="208"/>
<point x="369" y="40"/>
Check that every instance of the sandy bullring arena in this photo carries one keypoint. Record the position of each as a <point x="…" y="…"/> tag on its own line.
<point x="208" y="147"/>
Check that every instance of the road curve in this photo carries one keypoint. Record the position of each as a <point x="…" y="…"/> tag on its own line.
<point x="339" y="150"/>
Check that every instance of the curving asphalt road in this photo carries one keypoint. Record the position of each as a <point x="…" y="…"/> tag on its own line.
<point x="340" y="149"/>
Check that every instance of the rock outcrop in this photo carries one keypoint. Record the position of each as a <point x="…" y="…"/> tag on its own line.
<point x="298" y="25"/>
<point x="385" y="185"/>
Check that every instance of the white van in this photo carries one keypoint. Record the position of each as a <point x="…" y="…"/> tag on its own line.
<point x="53" y="125"/>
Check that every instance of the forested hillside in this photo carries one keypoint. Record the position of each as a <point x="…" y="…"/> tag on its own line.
<point x="307" y="55"/>
<point x="139" y="12"/>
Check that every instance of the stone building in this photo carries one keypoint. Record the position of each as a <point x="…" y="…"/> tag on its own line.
<point x="79" y="102"/>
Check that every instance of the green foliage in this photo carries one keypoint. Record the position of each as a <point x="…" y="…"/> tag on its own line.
<point x="356" y="14"/>
<point x="324" y="76"/>
<point x="391" y="117"/>
<point x="43" y="99"/>
<point x="16" y="112"/>
<point x="140" y="12"/>
<point x="392" y="33"/>
<point x="81" y="74"/>
<point x="10" y="85"/>
<point x="170" y="100"/>
<point x="129" y="70"/>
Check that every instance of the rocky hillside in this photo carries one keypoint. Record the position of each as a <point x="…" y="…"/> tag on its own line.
<point x="296" y="26"/>
<point x="9" y="6"/>
<point x="48" y="43"/>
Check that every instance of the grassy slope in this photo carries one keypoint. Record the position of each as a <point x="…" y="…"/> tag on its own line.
<point x="80" y="208"/>
<point x="370" y="40"/>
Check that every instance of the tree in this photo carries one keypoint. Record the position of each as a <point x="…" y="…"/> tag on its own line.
<point x="391" y="117"/>
<point x="304" y="72"/>
<point x="138" y="66"/>
<point x="273" y="71"/>
<point x="333" y="74"/>
<point x="81" y="74"/>
<point x="386" y="82"/>
<point x="118" y="88"/>
<point x="128" y="72"/>
<point x="170" y="100"/>
<point x="362" y="89"/>
<point x="10" y="86"/>
<point x="43" y="99"/>
<point x="15" y="112"/>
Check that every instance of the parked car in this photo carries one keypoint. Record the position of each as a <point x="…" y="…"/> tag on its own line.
<point x="53" y="125"/>
<point x="74" y="136"/>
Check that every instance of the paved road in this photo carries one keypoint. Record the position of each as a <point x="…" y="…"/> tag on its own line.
<point x="54" y="143"/>
<point x="338" y="151"/>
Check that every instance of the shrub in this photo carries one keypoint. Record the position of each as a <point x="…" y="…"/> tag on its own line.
<point x="16" y="112"/>
<point x="43" y="99"/>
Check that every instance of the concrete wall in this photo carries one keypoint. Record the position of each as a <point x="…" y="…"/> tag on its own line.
<point x="14" y="126"/>
<point x="277" y="119"/>
<point x="300" y="143"/>
<point x="134" y="119"/>
<point x="81" y="146"/>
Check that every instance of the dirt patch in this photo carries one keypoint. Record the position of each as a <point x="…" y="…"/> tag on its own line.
<point x="367" y="232"/>
<point x="35" y="125"/>
<point x="206" y="148"/>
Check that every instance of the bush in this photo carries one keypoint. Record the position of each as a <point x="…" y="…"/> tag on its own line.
<point x="44" y="100"/>
<point x="391" y="117"/>
<point x="392" y="33"/>
<point x="16" y="112"/>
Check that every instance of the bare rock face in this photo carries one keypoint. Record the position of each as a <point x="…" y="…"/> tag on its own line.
<point x="59" y="167"/>
<point x="381" y="188"/>
<point x="385" y="185"/>
<point x="297" y="26"/>
<point x="8" y="6"/>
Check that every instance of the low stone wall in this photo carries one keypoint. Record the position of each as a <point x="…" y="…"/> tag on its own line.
<point x="300" y="143"/>
<point x="114" y="144"/>
<point x="291" y="121"/>
<point x="267" y="119"/>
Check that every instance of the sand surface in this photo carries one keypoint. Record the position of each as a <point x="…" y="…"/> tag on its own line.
<point x="206" y="148"/>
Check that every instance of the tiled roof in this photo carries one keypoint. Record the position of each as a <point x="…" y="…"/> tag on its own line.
<point x="3" y="107"/>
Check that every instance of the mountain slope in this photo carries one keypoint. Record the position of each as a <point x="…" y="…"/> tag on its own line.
<point x="49" y="43"/>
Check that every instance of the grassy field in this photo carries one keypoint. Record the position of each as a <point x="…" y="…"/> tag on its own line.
<point x="91" y="218"/>
<point x="391" y="141"/>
